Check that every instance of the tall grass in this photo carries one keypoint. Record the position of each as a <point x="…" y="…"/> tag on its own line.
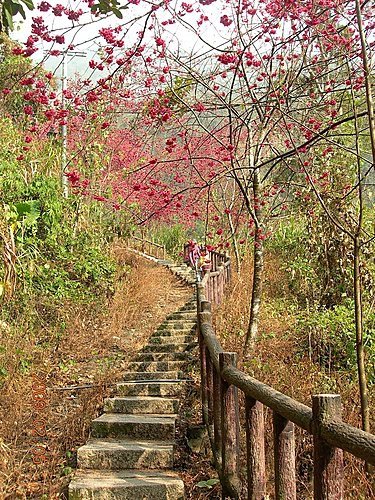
<point x="87" y="348"/>
<point x="282" y="359"/>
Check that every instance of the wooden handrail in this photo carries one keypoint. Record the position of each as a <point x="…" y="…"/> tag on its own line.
<point x="148" y="241"/>
<point x="220" y="379"/>
<point x="148" y="247"/>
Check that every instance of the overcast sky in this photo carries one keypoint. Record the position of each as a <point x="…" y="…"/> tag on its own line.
<point x="80" y="35"/>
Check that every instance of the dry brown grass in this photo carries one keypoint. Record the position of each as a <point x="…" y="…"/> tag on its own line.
<point x="277" y="361"/>
<point x="89" y="353"/>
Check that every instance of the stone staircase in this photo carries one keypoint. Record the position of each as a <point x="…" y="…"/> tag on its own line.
<point x="129" y="455"/>
<point x="182" y="271"/>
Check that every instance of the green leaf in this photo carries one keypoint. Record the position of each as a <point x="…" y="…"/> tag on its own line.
<point x="25" y="208"/>
<point x="29" y="4"/>
<point x="28" y="213"/>
<point x="208" y="484"/>
<point x="212" y="481"/>
<point x="17" y="8"/>
<point x="66" y="471"/>
<point x="117" y="13"/>
<point x="202" y="484"/>
<point x="7" y="16"/>
<point x="22" y="12"/>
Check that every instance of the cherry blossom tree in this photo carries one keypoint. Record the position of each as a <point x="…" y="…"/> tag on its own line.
<point x="234" y="100"/>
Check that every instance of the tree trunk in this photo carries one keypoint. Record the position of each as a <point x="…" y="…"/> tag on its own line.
<point x="362" y="380"/>
<point x="234" y="243"/>
<point x="256" y="295"/>
<point x="367" y="75"/>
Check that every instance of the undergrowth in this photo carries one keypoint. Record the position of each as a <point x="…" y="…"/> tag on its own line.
<point x="79" y="350"/>
<point x="287" y="359"/>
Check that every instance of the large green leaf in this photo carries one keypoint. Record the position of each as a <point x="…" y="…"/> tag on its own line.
<point x="29" y="4"/>
<point x="117" y="13"/>
<point x="29" y="211"/>
<point x="8" y="16"/>
<point x="13" y="7"/>
<point x="16" y="8"/>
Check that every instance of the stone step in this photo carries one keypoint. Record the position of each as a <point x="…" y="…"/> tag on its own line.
<point x="179" y="267"/>
<point x="112" y="454"/>
<point x="184" y="273"/>
<point x="141" y="404"/>
<point x="171" y="332"/>
<point x="164" y="388"/>
<point x="174" y="324"/>
<point x="165" y="262"/>
<point x="169" y="347"/>
<point x="162" y="356"/>
<point x="143" y="426"/>
<point x="188" y="280"/>
<point x="182" y="319"/>
<point x="126" y="485"/>
<point x="173" y="375"/>
<point x="168" y="339"/>
<point x="181" y="270"/>
<point x="191" y="315"/>
<point x="155" y="366"/>
<point x="190" y="307"/>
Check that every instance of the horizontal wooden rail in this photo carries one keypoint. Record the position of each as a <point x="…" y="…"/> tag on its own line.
<point x="148" y="247"/>
<point x="338" y="434"/>
<point x="359" y="443"/>
<point x="220" y="379"/>
<point x="148" y="241"/>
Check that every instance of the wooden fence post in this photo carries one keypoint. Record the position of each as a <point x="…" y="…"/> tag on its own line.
<point x="256" y="462"/>
<point x="203" y="363"/>
<point x="222" y="282"/>
<point x="328" y="461"/>
<point x="229" y="430"/>
<point x="284" y="456"/>
<point x="215" y="291"/>
<point x="205" y="306"/>
<point x="217" y="414"/>
<point x="209" y="387"/>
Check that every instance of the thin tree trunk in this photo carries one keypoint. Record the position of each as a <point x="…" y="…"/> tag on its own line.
<point x="362" y="380"/>
<point x="256" y="295"/>
<point x="357" y="289"/>
<point x="234" y="243"/>
<point x="367" y="75"/>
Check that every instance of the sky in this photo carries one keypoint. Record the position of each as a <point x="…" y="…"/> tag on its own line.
<point x="54" y="63"/>
<point x="82" y="35"/>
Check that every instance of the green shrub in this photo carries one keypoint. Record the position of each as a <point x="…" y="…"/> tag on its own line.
<point x="287" y="237"/>
<point x="289" y="243"/>
<point x="172" y="237"/>
<point x="60" y="244"/>
<point x="329" y="337"/>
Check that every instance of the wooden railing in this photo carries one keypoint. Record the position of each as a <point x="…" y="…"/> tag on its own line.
<point x="221" y="382"/>
<point x="215" y="280"/>
<point x="148" y="247"/>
